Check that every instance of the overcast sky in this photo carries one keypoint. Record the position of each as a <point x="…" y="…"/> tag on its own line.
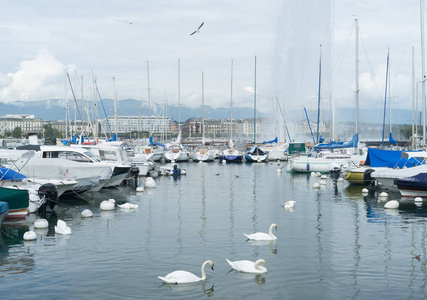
<point x="41" y="40"/>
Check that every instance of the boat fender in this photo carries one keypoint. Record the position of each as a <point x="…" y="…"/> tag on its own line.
<point x="308" y="167"/>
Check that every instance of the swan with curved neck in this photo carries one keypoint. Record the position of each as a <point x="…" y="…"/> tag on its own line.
<point x="186" y="277"/>
<point x="248" y="266"/>
<point x="261" y="236"/>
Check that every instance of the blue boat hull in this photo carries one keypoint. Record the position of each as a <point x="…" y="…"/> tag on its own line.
<point x="232" y="158"/>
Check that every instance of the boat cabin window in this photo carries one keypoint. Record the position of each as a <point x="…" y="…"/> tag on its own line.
<point x="74" y="156"/>
<point x="108" y="155"/>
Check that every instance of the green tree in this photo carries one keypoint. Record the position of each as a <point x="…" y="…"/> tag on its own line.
<point x="17" y="132"/>
<point x="51" y="134"/>
<point x="406" y="131"/>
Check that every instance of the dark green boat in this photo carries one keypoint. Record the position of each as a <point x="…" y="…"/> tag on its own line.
<point x="18" y="201"/>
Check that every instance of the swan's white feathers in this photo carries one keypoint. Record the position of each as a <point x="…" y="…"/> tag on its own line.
<point x="248" y="266"/>
<point x="261" y="236"/>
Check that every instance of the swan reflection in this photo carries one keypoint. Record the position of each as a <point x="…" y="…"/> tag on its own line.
<point x="259" y="279"/>
<point x="261" y="243"/>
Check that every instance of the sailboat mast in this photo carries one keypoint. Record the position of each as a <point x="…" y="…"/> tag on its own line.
<point x="95" y="106"/>
<point x="318" y="95"/>
<point x="231" y="103"/>
<point x="115" y="105"/>
<point x="389" y="98"/>
<point x="423" y="99"/>
<point x="203" y="110"/>
<point x="179" y="95"/>
<point x="255" y="104"/>
<point x="149" y="98"/>
<point x="413" y="99"/>
<point x="385" y="98"/>
<point x="357" y="75"/>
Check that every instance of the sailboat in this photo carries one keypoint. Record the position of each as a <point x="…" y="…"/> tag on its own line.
<point x="175" y="151"/>
<point x="231" y="154"/>
<point x="325" y="158"/>
<point x="203" y="153"/>
<point x="255" y="154"/>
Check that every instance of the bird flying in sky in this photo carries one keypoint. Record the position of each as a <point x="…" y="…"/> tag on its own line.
<point x="198" y="29"/>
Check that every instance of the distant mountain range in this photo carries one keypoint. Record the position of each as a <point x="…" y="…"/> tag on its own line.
<point x="55" y="109"/>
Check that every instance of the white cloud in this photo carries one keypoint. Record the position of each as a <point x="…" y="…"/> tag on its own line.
<point x="37" y="79"/>
<point x="285" y="37"/>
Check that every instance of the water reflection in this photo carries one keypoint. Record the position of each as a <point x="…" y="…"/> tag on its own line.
<point x="259" y="279"/>
<point x="231" y="212"/>
<point x="202" y="231"/>
<point x="260" y="243"/>
<point x="319" y="236"/>
<point x="208" y="292"/>
<point x="254" y="205"/>
<point x="356" y="250"/>
<point x="14" y="258"/>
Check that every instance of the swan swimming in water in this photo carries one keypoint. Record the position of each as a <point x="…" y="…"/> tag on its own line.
<point x="128" y="205"/>
<point x="261" y="236"/>
<point x="184" y="276"/>
<point x="248" y="266"/>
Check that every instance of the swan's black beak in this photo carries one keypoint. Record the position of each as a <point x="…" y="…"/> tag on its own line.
<point x="212" y="267"/>
<point x="275" y="227"/>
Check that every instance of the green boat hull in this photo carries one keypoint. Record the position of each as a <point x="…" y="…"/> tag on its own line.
<point x="18" y="201"/>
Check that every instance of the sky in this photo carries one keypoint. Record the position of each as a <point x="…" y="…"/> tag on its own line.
<point x="139" y="44"/>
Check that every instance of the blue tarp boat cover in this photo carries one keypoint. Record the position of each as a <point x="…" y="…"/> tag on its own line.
<point x="419" y="180"/>
<point x="256" y="150"/>
<point x="8" y="174"/>
<point x="334" y="145"/>
<point x="270" y="142"/>
<point x="390" y="159"/>
<point x="4" y="207"/>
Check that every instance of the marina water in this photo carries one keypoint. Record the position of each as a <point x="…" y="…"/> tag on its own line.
<point x="335" y="244"/>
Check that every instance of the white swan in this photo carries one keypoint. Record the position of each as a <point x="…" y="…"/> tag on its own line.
<point x="289" y="204"/>
<point x="184" y="276"/>
<point x="261" y="236"/>
<point x="62" y="228"/>
<point x="248" y="266"/>
<point x="128" y="205"/>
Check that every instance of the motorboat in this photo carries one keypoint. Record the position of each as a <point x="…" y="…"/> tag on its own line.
<point x="62" y="163"/>
<point x="114" y="156"/>
<point x="413" y="186"/>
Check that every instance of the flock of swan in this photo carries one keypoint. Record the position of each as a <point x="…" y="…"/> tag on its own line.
<point x="246" y="266"/>
<point x="180" y="276"/>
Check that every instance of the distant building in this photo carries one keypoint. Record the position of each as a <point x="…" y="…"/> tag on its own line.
<point x="27" y="123"/>
<point x="157" y="126"/>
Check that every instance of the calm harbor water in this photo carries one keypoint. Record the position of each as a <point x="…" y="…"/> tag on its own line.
<point x="335" y="244"/>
